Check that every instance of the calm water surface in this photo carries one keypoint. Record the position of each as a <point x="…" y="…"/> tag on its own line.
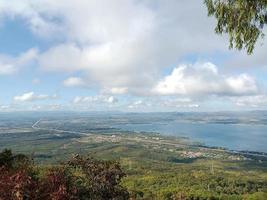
<point x="232" y="136"/>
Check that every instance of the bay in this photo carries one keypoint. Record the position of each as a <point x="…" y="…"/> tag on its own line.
<point x="247" y="137"/>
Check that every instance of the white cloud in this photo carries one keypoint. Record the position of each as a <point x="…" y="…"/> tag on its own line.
<point x="99" y="99"/>
<point x="4" y="107"/>
<point x="112" y="99"/>
<point x="34" y="13"/>
<point x="6" y="69"/>
<point x="31" y="107"/>
<point x="63" y="57"/>
<point x="119" y="90"/>
<point x="31" y="96"/>
<point x="204" y="79"/>
<point x="137" y="104"/>
<point x="251" y="101"/>
<point x="123" y="47"/>
<point x="242" y="84"/>
<point x="119" y="39"/>
<point x="45" y="107"/>
<point x="178" y="103"/>
<point x="115" y="90"/>
<point x="74" y="82"/>
<point x="163" y="104"/>
<point x="9" y="65"/>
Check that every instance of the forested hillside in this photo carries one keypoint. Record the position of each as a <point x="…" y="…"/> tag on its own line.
<point x="83" y="177"/>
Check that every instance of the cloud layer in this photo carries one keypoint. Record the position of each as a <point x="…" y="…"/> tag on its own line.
<point x="121" y="44"/>
<point x="11" y="64"/>
<point x="31" y="96"/>
<point x="131" y="50"/>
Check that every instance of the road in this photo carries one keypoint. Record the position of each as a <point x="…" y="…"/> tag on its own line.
<point x="36" y="127"/>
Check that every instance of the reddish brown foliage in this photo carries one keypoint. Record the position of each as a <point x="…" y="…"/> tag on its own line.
<point x="16" y="185"/>
<point x="81" y="178"/>
<point x="57" y="185"/>
<point x="19" y="185"/>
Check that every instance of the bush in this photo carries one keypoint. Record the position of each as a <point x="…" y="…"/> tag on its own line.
<point x="81" y="178"/>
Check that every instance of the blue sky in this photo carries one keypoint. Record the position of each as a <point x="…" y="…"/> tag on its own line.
<point x="151" y="55"/>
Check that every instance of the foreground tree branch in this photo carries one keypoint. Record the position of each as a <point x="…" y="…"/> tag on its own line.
<point x="242" y="20"/>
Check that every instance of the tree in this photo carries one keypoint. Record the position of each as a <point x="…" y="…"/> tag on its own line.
<point x="6" y="158"/>
<point x="82" y="178"/>
<point x="97" y="179"/>
<point x="242" y="20"/>
<point x="11" y="161"/>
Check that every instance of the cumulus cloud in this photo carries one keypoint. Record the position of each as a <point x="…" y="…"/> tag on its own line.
<point x="124" y="47"/>
<point x="118" y="39"/>
<point x="119" y="90"/>
<point x="63" y="57"/>
<point x="38" y="21"/>
<point x="31" y="96"/>
<point x="9" y="64"/>
<point x="115" y="90"/>
<point x="74" y="82"/>
<point x="204" y="79"/>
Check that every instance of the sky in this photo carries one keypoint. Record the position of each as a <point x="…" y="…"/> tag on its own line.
<point x="117" y="55"/>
